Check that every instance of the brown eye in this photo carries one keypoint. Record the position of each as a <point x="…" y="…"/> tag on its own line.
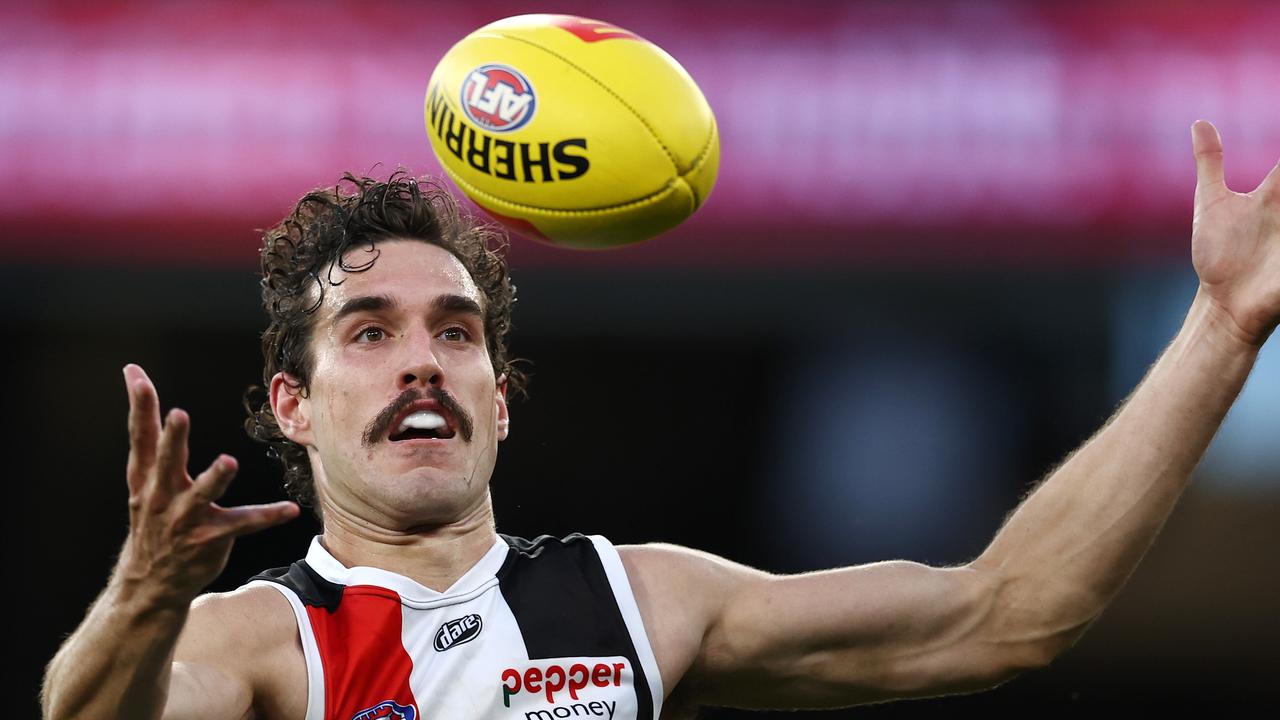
<point x="370" y="334"/>
<point x="455" y="334"/>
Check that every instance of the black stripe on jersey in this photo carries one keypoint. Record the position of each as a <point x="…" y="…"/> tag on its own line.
<point x="307" y="584"/>
<point x="562" y="601"/>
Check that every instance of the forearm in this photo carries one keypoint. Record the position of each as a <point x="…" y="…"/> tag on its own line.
<point x="1068" y="549"/>
<point x="118" y="662"/>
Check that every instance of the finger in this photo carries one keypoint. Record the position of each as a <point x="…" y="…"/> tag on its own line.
<point x="1206" y="144"/>
<point x="171" y="461"/>
<point x="1270" y="187"/>
<point x="144" y="425"/>
<point x="248" y="519"/>
<point x="213" y="482"/>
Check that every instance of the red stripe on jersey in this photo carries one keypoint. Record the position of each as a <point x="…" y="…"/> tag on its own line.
<point x="360" y="645"/>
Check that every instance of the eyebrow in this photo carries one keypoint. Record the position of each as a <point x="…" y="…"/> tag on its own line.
<point x="363" y="303"/>
<point x="448" y="303"/>
<point x="457" y="304"/>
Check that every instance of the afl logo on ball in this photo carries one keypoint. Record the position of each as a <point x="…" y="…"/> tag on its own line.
<point x="498" y="98"/>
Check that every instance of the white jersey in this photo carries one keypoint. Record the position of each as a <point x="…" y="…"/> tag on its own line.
<point x="536" y="630"/>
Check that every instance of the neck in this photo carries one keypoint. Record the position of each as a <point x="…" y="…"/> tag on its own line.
<point x="433" y="556"/>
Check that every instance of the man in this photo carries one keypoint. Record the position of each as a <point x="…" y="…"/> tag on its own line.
<point x="388" y="385"/>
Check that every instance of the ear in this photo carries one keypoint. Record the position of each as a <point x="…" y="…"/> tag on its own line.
<point x="500" y="402"/>
<point x="291" y="408"/>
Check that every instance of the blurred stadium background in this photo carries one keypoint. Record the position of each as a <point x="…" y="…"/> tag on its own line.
<point x="947" y="239"/>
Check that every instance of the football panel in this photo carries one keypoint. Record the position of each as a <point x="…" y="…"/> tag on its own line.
<point x="596" y="229"/>
<point x="650" y="82"/>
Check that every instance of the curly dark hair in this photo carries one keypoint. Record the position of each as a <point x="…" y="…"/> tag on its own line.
<point x="314" y="238"/>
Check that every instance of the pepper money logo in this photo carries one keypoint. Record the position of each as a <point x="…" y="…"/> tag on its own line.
<point x="555" y="678"/>
<point x="498" y="98"/>
<point x="388" y="710"/>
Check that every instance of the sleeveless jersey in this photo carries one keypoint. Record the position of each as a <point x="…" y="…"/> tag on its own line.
<point x="536" y="630"/>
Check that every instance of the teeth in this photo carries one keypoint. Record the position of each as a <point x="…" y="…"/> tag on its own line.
<point x="423" y="420"/>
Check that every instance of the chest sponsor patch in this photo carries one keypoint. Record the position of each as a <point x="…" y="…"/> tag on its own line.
<point x="456" y="632"/>
<point x="547" y="689"/>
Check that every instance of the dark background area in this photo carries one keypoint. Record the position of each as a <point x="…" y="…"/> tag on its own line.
<point x="895" y="314"/>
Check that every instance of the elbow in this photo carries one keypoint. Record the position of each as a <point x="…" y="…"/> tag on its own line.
<point x="1025" y="658"/>
<point x="995" y="665"/>
<point x="1025" y="626"/>
<point x="1044" y="637"/>
<point x="1054" y="641"/>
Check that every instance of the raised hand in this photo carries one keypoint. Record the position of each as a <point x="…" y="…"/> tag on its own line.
<point x="1235" y="241"/>
<point x="179" y="538"/>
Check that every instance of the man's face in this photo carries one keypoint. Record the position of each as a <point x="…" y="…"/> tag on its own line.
<point x="404" y="414"/>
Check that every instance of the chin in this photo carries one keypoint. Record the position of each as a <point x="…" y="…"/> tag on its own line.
<point x="431" y="497"/>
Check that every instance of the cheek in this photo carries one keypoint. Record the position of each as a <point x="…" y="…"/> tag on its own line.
<point x="334" y="405"/>
<point x="340" y="409"/>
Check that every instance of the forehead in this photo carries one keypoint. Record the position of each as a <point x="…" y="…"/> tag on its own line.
<point x="408" y="269"/>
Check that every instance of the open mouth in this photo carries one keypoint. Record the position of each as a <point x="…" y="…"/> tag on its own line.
<point x="422" y="425"/>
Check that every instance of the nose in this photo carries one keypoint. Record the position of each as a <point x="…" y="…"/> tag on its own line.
<point x="419" y="365"/>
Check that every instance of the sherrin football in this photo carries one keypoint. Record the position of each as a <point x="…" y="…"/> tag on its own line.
<point x="572" y="131"/>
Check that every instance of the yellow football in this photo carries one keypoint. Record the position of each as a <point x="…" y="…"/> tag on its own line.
<point x="572" y="131"/>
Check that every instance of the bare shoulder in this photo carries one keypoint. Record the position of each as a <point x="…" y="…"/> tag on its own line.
<point x="682" y="564"/>
<point x="251" y="618"/>
<point x="681" y="593"/>
<point x="727" y="634"/>
<point x="247" y="640"/>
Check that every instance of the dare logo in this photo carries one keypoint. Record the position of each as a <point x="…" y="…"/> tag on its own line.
<point x="456" y="632"/>
<point x="498" y="98"/>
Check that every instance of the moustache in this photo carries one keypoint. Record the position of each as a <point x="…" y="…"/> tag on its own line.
<point x="380" y="426"/>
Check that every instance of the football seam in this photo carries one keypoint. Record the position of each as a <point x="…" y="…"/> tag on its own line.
<point x="649" y="199"/>
<point x="667" y="151"/>
<point x="698" y="160"/>
<point x="706" y="147"/>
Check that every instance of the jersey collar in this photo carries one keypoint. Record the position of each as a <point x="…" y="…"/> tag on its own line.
<point x="479" y="578"/>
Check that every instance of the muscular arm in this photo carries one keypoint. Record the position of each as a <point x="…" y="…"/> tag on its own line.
<point x="900" y="629"/>
<point x="725" y="634"/>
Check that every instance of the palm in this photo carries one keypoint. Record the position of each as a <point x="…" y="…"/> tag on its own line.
<point x="1235" y="240"/>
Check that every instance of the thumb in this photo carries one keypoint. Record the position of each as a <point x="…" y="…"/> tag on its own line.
<point x="1207" y="147"/>
<point x="1270" y="187"/>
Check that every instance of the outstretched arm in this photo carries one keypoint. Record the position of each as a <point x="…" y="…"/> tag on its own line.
<point x="901" y="629"/>
<point x="1067" y="551"/>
